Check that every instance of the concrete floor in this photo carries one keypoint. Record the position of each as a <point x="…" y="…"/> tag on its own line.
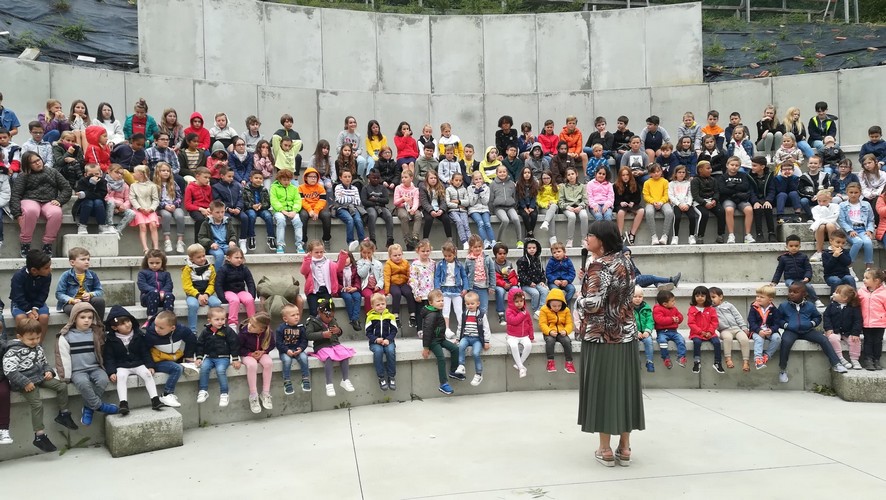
<point x="519" y="445"/>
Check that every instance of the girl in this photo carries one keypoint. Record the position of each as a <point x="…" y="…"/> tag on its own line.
<point x="478" y="208"/>
<point x="407" y="149"/>
<point x="686" y="155"/>
<point x="155" y="284"/>
<point x="241" y="161"/>
<point x="170" y="207"/>
<point x="346" y="271"/>
<point x="547" y="201"/>
<point x="520" y="331"/>
<point x="346" y="162"/>
<point x="256" y="341"/>
<point x="348" y="209"/>
<point x="742" y="148"/>
<point x="126" y="352"/>
<point x="388" y="169"/>
<point x="105" y="118"/>
<point x="396" y="280"/>
<point x="406" y="199"/>
<point x="769" y="131"/>
<point x="170" y="125"/>
<point x="857" y="220"/>
<point x="713" y="154"/>
<point x="680" y="199"/>
<point x="703" y="326"/>
<point x="191" y="156"/>
<point x="38" y="191"/>
<point x="263" y="161"/>
<point x="326" y="283"/>
<point x="450" y="278"/>
<point x="234" y="286"/>
<point x="572" y="201"/>
<point x="432" y="198"/>
<point x="489" y="165"/>
<point x="843" y="320"/>
<point x="627" y="200"/>
<point x="527" y="206"/>
<point x="54" y="121"/>
<point x="140" y="122"/>
<point x="321" y="161"/>
<point x="531" y="275"/>
<point x="427" y="137"/>
<point x="375" y="141"/>
<point x="502" y="199"/>
<point x="601" y="197"/>
<point x="421" y="278"/>
<point x="824" y="220"/>
<point x="873" y="311"/>
<point x="788" y="152"/>
<point x="655" y="194"/>
<point x="67" y="157"/>
<point x="117" y="200"/>
<point x="350" y="136"/>
<point x="145" y="199"/>
<point x="448" y="138"/>
<point x="839" y="180"/>
<point x="480" y="270"/>
<point x="872" y="181"/>
<point x="371" y="273"/>
<point x="793" y="125"/>
<point x="457" y="203"/>
<point x="79" y="119"/>
<point x="324" y="332"/>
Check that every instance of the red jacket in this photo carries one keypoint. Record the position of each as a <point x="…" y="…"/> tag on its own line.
<point x="519" y="321"/>
<point x="202" y="132"/>
<point x="548" y="143"/>
<point x="664" y="317"/>
<point x="96" y="153"/>
<point x="406" y="147"/>
<point x="702" y="321"/>
<point x="511" y="279"/>
<point x="197" y="197"/>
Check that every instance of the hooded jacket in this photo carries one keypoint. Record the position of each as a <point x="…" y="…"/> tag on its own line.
<point x="252" y="342"/>
<point x="602" y="195"/>
<point x="873" y="306"/>
<point x="503" y="193"/>
<point x="489" y="168"/>
<point x="488" y="265"/>
<point x="28" y="291"/>
<point x="285" y="198"/>
<point x="559" y="165"/>
<point x="153" y="281"/>
<point x="221" y="343"/>
<point x="389" y="171"/>
<point x="202" y="132"/>
<point x="529" y="268"/>
<point x="537" y="166"/>
<point x="197" y="197"/>
<point x="800" y="318"/>
<point x="197" y="280"/>
<point x="178" y="346"/>
<point x="95" y="152"/>
<point x="381" y="325"/>
<point x="643" y="318"/>
<point x="478" y="199"/>
<point x="548" y="143"/>
<point x="842" y="319"/>
<point x="704" y="320"/>
<point x="573" y="140"/>
<point x="68" y="285"/>
<point x="794" y="267"/>
<point x="560" y="321"/>
<point x="313" y="198"/>
<point x="233" y="279"/>
<point x="229" y="193"/>
<point x="559" y="270"/>
<point x="739" y="188"/>
<point x="572" y="195"/>
<point x="519" y="321"/>
<point x="43" y="186"/>
<point x="433" y="326"/>
<point x="65" y="352"/>
<point x="663" y="317"/>
<point x="118" y="355"/>
<point x="758" y="317"/>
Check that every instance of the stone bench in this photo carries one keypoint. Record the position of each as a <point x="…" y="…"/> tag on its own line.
<point x="861" y="386"/>
<point x="143" y="430"/>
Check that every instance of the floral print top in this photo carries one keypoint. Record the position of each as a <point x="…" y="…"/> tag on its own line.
<point x="421" y="278"/>
<point x="604" y="306"/>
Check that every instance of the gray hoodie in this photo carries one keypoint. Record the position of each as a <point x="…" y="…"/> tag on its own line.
<point x="537" y="166"/>
<point x="729" y="317"/>
<point x="503" y="194"/>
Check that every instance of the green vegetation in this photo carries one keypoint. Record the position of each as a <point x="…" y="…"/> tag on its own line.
<point x="75" y="31"/>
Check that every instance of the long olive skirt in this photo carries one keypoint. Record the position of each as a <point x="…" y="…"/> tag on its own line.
<point x="610" y="398"/>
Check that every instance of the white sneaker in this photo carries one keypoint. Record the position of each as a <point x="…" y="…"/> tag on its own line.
<point x="266" y="402"/>
<point x="107" y="229"/>
<point x="242" y="246"/>
<point x="477" y="380"/>
<point x="854" y="276"/>
<point x="856" y="365"/>
<point x="839" y="368"/>
<point x="167" y="246"/>
<point x="522" y="372"/>
<point x="692" y="240"/>
<point x="450" y="334"/>
<point x="202" y="396"/>
<point x="223" y="400"/>
<point x="675" y="240"/>
<point x="783" y="377"/>
<point x="820" y="306"/>
<point x="460" y="370"/>
<point x="235" y="327"/>
<point x="731" y="238"/>
<point x="664" y="239"/>
<point x="353" y="246"/>
<point x="253" y="404"/>
<point x="466" y="246"/>
<point x="347" y="385"/>
<point x="568" y="243"/>
<point x="330" y="390"/>
<point x="654" y="239"/>
<point x="180" y="246"/>
<point x="537" y="314"/>
<point x="190" y="369"/>
<point x="5" y="438"/>
<point x="170" y="400"/>
<point x="816" y="257"/>
<point x="553" y="240"/>
<point x="749" y="239"/>
<point x="544" y="226"/>
<point x="81" y="229"/>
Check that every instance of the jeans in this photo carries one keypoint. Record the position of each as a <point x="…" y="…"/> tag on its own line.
<point x="352" y="222"/>
<point x="804" y="147"/>
<point x="810" y="290"/>
<point x="644" y="280"/>
<point x="602" y="214"/>
<point x="91" y="384"/>
<point x="569" y="290"/>
<point x="194" y="306"/>
<point x="696" y="348"/>
<point x="570" y="223"/>
<point x="476" y="348"/>
<point x="460" y="220"/>
<point x="302" y="358"/>
<point x="94" y="208"/>
<point x="551" y="342"/>
<point x="363" y="166"/>
<point x="484" y="227"/>
<point x="372" y="215"/>
<point x="835" y="281"/>
<point x="384" y="357"/>
<point x="774" y="343"/>
<point x="166" y="218"/>
<point x="220" y="365"/>
<point x="816" y="337"/>
<point x="483" y="293"/>
<point x="648" y="344"/>
<point x="218" y="254"/>
<point x="266" y="216"/>
<point x="352" y="304"/>
<point x="280" y="222"/>
<point x="862" y="240"/>
<point x="538" y="294"/>
<point x="243" y="220"/>
<point x="173" y="371"/>
<point x="501" y="299"/>
<point x="665" y="336"/>
<point x="782" y="199"/>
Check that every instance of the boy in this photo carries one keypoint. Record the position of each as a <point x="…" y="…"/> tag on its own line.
<point x="506" y="135"/>
<point x="800" y="321"/>
<point x="812" y="181"/>
<point x="787" y="187"/>
<point x="764" y="321"/>
<point x="560" y="271"/>
<point x="645" y="325"/>
<point x="691" y="130"/>
<point x="473" y="333"/>
<point x="621" y="139"/>
<point x="875" y="146"/>
<point x="10" y="152"/>
<point x="217" y="232"/>
<point x="796" y="267"/>
<point x="381" y="330"/>
<point x="29" y="289"/>
<point x="36" y="143"/>
<point x="712" y="128"/>
<point x="127" y="352"/>
<point x="218" y="158"/>
<point x="831" y="153"/>
<point x="79" y="284"/>
<point x="425" y="163"/>
<point x="160" y="152"/>
<point x="198" y="196"/>
<point x="171" y="346"/>
<point x="257" y="204"/>
<point x="469" y="165"/>
<point x="221" y="132"/>
<point x="548" y="139"/>
<point x="505" y="279"/>
<point x="286" y="202"/>
<point x="27" y="370"/>
<point x="314" y="205"/>
<point x="636" y="159"/>
<point x="227" y="191"/>
<point x="198" y="282"/>
<point x="217" y="347"/>
<point x="821" y="125"/>
<point x="734" y="123"/>
<point x="602" y="137"/>
<point x="667" y="159"/>
<point x="288" y="132"/>
<point x="836" y="262"/>
<point x="513" y="164"/>
<point x="571" y="135"/>
<point x="731" y="326"/>
<point x="765" y="191"/>
<point x="375" y="197"/>
<point x="667" y="318"/>
<point x="646" y="280"/>
<point x="653" y="136"/>
<point x="91" y="191"/>
<point x="253" y="136"/>
<point x="449" y="165"/>
<point x="434" y="339"/>
<point x="132" y="154"/>
<point x="292" y="343"/>
<point x="8" y="119"/>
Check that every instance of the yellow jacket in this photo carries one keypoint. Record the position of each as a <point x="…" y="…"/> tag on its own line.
<point x="374" y="146"/>
<point x="546" y="195"/>
<point x="549" y="320"/>
<point x="395" y="274"/>
<point x="655" y="190"/>
<point x="192" y="272"/>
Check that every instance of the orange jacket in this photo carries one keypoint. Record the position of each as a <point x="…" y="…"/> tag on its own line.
<point x="395" y="274"/>
<point x="313" y="198"/>
<point x="573" y="140"/>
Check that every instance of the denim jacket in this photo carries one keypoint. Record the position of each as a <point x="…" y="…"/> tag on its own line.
<point x="68" y="286"/>
<point x="867" y="215"/>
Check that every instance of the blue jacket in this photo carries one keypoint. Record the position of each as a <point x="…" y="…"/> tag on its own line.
<point x="527" y="201"/>
<point x="68" y="285"/>
<point x="29" y="291"/>
<point x="878" y="150"/>
<point x="668" y="164"/>
<point x="150" y="281"/>
<point x="755" y="318"/>
<point x="836" y="266"/>
<point x="867" y="216"/>
<point x="461" y="276"/>
<point x="819" y="129"/>
<point x="229" y="194"/>
<point x="179" y="345"/>
<point x="233" y="279"/>
<point x="746" y="144"/>
<point x="794" y="267"/>
<point x="843" y="320"/>
<point x="559" y="270"/>
<point x="786" y="184"/>
<point x="469" y="271"/>
<point x="241" y="168"/>
<point x="381" y="326"/>
<point x="838" y="184"/>
<point x="290" y="338"/>
<point x="799" y="318"/>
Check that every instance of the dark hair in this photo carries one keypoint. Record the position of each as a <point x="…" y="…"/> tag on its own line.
<point x="286" y="117"/>
<point x="838" y="233"/>
<point x="191" y="137"/>
<point x="499" y="246"/>
<point x="347" y="119"/>
<point x="655" y="167"/>
<point x="399" y="132"/>
<point x="607" y="232"/>
<point x="759" y="160"/>
<point x="598" y="120"/>
<point x="792" y="237"/>
<point x="4" y="131"/>
<point x="26" y="160"/>
<point x="735" y="114"/>
<point x="524" y="189"/>
<point x="715" y="291"/>
<point x="714" y="113"/>
<point x="623" y="119"/>
<point x="34" y="124"/>
<point x="663" y="297"/>
<point x="702" y="290"/>
<point x="36" y="259"/>
<point x="655" y="120"/>
<point x="505" y="119"/>
<point x="157" y="135"/>
<point x="216" y="204"/>
<point x="821" y="106"/>
<point x="369" y="134"/>
<point x="875" y="130"/>
<point x="28" y="325"/>
<point x="99" y="111"/>
<point x="154" y="254"/>
<point x="254" y="172"/>
<point x="561" y="143"/>
<point x="138" y="137"/>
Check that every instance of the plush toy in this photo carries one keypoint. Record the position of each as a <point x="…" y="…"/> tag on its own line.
<point x="276" y="292"/>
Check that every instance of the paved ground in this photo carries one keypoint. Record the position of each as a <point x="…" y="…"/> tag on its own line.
<point x="519" y="445"/>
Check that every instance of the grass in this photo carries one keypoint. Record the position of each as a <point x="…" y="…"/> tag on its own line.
<point x="61" y="6"/>
<point x="715" y="48"/>
<point x="824" y="390"/>
<point x="75" y="31"/>
<point x="26" y="39"/>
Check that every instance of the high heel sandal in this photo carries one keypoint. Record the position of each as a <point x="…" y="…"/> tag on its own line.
<point x="623" y="460"/>
<point x="603" y="460"/>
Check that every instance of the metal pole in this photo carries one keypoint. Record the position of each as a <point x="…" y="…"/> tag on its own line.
<point x="747" y="8"/>
<point x="856" y="11"/>
<point x="846" y="11"/>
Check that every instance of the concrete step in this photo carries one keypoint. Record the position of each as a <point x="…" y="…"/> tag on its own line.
<point x="861" y="386"/>
<point x="782" y="231"/>
<point x="120" y="292"/>
<point x="99" y="245"/>
<point x="143" y="430"/>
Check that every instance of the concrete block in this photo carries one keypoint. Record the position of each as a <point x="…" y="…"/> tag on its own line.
<point x="160" y="92"/>
<point x="28" y="98"/>
<point x="458" y="71"/>
<point x="349" y="55"/>
<point x="766" y="378"/>
<point x="404" y="44"/>
<point x="300" y="103"/>
<point x="782" y="231"/>
<point x="618" y="49"/>
<point x="748" y="97"/>
<point x="558" y="105"/>
<point x="293" y="68"/>
<point x="391" y="109"/>
<point x="142" y="431"/>
<point x="803" y="91"/>
<point x="93" y="86"/>
<point x="521" y="107"/>
<point x="636" y="104"/>
<point x="674" y="55"/>
<point x="859" y="107"/>
<point x="509" y="43"/>
<point x="559" y="70"/>
<point x="119" y="292"/>
<point x="537" y="378"/>
<point x="240" y="61"/>
<point x="237" y="100"/>
<point x="817" y="272"/>
<point x="669" y="103"/>
<point x="464" y="112"/>
<point x="161" y="21"/>
<point x="99" y="245"/>
<point x="860" y="386"/>
<point x="334" y="106"/>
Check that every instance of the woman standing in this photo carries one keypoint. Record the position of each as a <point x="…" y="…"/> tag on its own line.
<point x="610" y="397"/>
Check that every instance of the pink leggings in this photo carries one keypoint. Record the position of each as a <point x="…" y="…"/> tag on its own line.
<point x="367" y="294"/>
<point x="234" y="301"/>
<point x="252" y="371"/>
<point x="31" y="211"/>
<point x="854" y="342"/>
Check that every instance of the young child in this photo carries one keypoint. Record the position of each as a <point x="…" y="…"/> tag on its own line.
<point x="374" y="142"/>
<point x="381" y="330"/>
<point x="263" y="161"/>
<point x="685" y="155"/>
<point x="126" y="352"/>
<point x="234" y="286"/>
<point x="218" y="347"/>
<point x="601" y="197"/>
<point x="645" y="326"/>
<point x="478" y="209"/>
<point x="800" y="322"/>
<point x="321" y="281"/>
<point x="503" y="200"/>
<point x="596" y="161"/>
<point x="531" y="275"/>
<point x="241" y="162"/>
<point x="447" y="138"/>
<point x="836" y="262"/>
<point x="457" y="202"/>
<point x="703" y="324"/>
<point x="170" y="207"/>
<point x="872" y="181"/>
<point x="857" y="221"/>
<point x="536" y="161"/>
<point x="512" y="163"/>
<point x="29" y="289"/>
<point x="323" y="163"/>
<point x="731" y="326"/>
<point x="667" y="319"/>
<point x="198" y="281"/>
<point x="635" y="158"/>
<point x="795" y="266"/>
<point x="825" y="217"/>
<point x="325" y="334"/>
<point x="253" y="135"/>
<point x="198" y="196"/>
<point x="145" y="199"/>
<point x="627" y="201"/>
<point x="548" y="139"/>
<point x="407" y="148"/>
<point x="449" y="165"/>
<point x="788" y="152"/>
<point x="257" y="204"/>
<point x="489" y="166"/>
<point x="713" y="153"/>
<point x="548" y="195"/>
<point x="555" y="323"/>
<point x="426" y="137"/>
<point x="434" y="340"/>
<point x="375" y="197"/>
<point x="764" y="192"/>
<point x="813" y="180"/>
<point x="222" y="132"/>
<point x="473" y="333"/>
<point x="572" y="201"/>
<point x="286" y="202"/>
<point x="396" y="284"/>
<point x="406" y="200"/>
<point x="314" y="205"/>
<point x="646" y="280"/>
<point x="172" y="347"/>
<point x="737" y="192"/>
<point x="68" y="158"/>
<point x="742" y="148"/>
<point x="873" y="306"/>
<point x="79" y="284"/>
<point x="468" y="164"/>
<point x="764" y="321"/>
<point x="519" y="329"/>
<point x="37" y="144"/>
<point x="680" y="198"/>
<point x="292" y="344"/>
<point x="840" y="180"/>
<point x="96" y="150"/>
<point x="601" y="136"/>
<point x="217" y="233"/>
<point x="451" y="279"/>
<point x="480" y="270"/>
<point x="572" y="136"/>
<point x="667" y="160"/>
<point x="713" y="128"/>
<point x="155" y="284"/>
<point x="432" y="199"/>
<point x="388" y="169"/>
<point x="560" y="271"/>
<point x="228" y="191"/>
<point x="787" y="187"/>
<point x="346" y="272"/>
<point x="346" y="162"/>
<point x="256" y="341"/>
<point x="371" y="273"/>
<point x="25" y="365"/>
<point x="653" y="137"/>
<point x="843" y="320"/>
<point x="286" y="151"/>
<point x="425" y="163"/>
<point x="655" y="194"/>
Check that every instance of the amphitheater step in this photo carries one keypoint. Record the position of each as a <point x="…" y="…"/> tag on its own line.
<point x="801" y="229"/>
<point x="142" y="431"/>
<point x="99" y="245"/>
<point x="120" y="292"/>
<point x="861" y="386"/>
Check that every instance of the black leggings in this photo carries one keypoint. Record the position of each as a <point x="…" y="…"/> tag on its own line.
<point x="325" y="221"/>
<point x="704" y="213"/>
<point x="428" y="222"/>
<point x="872" y="346"/>
<point x="690" y="214"/>
<point x="764" y="213"/>
<point x="529" y="220"/>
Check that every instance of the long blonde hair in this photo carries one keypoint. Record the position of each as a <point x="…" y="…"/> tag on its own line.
<point x="789" y="122"/>
<point x="170" y="184"/>
<point x="263" y="321"/>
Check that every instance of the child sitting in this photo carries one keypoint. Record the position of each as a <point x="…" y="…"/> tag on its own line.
<point x="555" y="323"/>
<point x="349" y="210"/>
<point x="667" y="318"/>
<point x="79" y="284"/>
<point x="325" y="334"/>
<point x="217" y="348"/>
<point x="381" y="330"/>
<point x="800" y="320"/>
<point x="451" y="279"/>
<point x="873" y="304"/>
<point x="286" y="202"/>
<point x="421" y="279"/>
<point x="601" y="196"/>
<point x="786" y="190"/>
<point x="627" y="201"/>
<point x="764" y="320"/>
<point x="519" y="329"/>
<point x="655" y="194"/>
<point x="457" y="203"/>
<point x="560" y="271"/>
<point x="325" y="285"/>
<point x="836" y="262"/>
<point x="67" y="156"/>
<point x="257" y="203"/>
<point x="117" y="200"/>
<point x="703" y="327"/>
<point x="824" y="221"/>
<point x="371" y="273"/>
<point x="473" y="333"/>
<point x="857" y="220"/>
<point x="396" y="280"/>
<point x="478" y="209"/>
<point x="198" y="281"/>
<point x="731" y="326"/>
<point x="406" y="196"/>
<point x="680" y="199"/>
<point x="155" y="284"/>
<point x="434" y="339"/>
<point x="198" y="197"/>
<point x="172" y="347"/>
<point x="375" y="197"/>
<point x="764" y="191"/>
<point x="314" y="205"/>
<point x="645" y="325"/>
<point x="796" y="267"/>
<point x="505" y="279"/>
<point x="145" y="199"/>
<point x="292" y="344"/>
<point x="217" y="234"/>
<point x="256" y="341"/>
<point x="349" y="291"/>
<point x="126" y="352"/>
<point x="234" y="286"/>
<point x="29" y="289"/>
<point x="228" y="191"/>
<point x="840" y="180"/>
<point x="842" y="320"/>
<point x="531" y="275"/>
<point x="91" y="191"/>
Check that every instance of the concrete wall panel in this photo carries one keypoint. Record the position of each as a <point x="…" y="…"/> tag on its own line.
<point x="334" y="106"/>
<point x="521" y="107"/>
<point x="861" y="103"/>
<point x="293" y="68"/>
<point x="674" y="56"/>
<point x="234" y="40"/>
<point x="669" y="103"/>
<point x="457" y="70"/>
<point x="25" y="91"/>
<point x="349" y="55"/>
<point x="803" y="91"/>
<point x="563" y="69"/>
<point x="68" y="83"/>
<point x="273" y="102"/>
<point x="237" y="100"/>
<point x="508" y="45"/>
<point x="618" y="49"/>
<point x="464" y="112"/>
<point x="636" y="104"/>
<point x="748" y="97"/>
<point x="558" y="105"/>
<point x="160" y="21"/>
<point x="403" y="48"/>
<point x="391" y="109"/>
<point x="160" y="92"/>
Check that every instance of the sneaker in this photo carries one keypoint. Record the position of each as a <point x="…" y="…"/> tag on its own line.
<point x="877" y="365"/>
<point x="223" y="400"/>
<point x="25" y="248"/>
<point x="668" y="363"/>
<point x="167" y="246"/>
<point x="676" y="279"/>
<point x="718" y="367"/>
<point x="327" y="245"/>
<point x="700" y="240"/>
<point x="250" y="243"/>
<point x="816" y="257"/>
<point x="819" y="305"/>
<point x="520" y="244"/>
<point x="346" y="385"/>
<point x="758" y="363"/>
<point x="107" y="229"/>
<point x="720" y="238"/>
<point x="663" y="240"/>
<point x="477" y="380"/>
<point x="464" y="246"/>
<point x="552" y="366"/>
<point x="851" y="273"/>
<point x="44" y="444"/>
<point x="855" y="364"/>
<point x="696" y="366"/>
<point x="382" y="383"/>
<point x="682" y="361"/>
<point x="501" y="319"/>
<point x="552" y="240"/>
<point x="272" y="243"/>
<point x="631" y="238"/>
<point x="675" y="240"/>
<point x="450" y="335"/>
<point x="731" y="238"/>
<point x="254" y="407"/>
<point x="287" y="388"/>
<point x="235" y="327"/>
<point x="170" y="400"/>
<point x="544" y="226"/>
<point x="765" y="359"/>
<point x="202" y="396"/>
<point x="650" y="367"/>
<point x="64" y="419"/>
<point x="180" y="246"/>
<point x="81" y="229"/>
<point x="299" y="248"/>
<point x="846" y="363"/>
<point x="868" y="364"/>
<point x="570" y="368"/>
<point x="280" y="249"/>
<point x="355" y="325"/>
<point x="306" y="385"/>
<point x="783" y="377"/>
<point x="839" y="368"/>
<point x="568" y="243"/>
<point x="460" y="370"/>
<point x="242" y="246"/>
<point x="749" y="239"/>
<point x="412" y="321"/>
<point x="353" y="246"/>
<point x="86" y="416"/>
<point x="47" y="249"/>
<point x="266" y="401"/>
<point x="537" y="314"/>
<point x="5" y="438"/>
<point x="456" y="376"/>
<point x="392" y="383"/>
<point x="522" y="372"/>
<point x="446" y="389"/>
<point x="773" y="238"/>
<point x="654" y="239"/>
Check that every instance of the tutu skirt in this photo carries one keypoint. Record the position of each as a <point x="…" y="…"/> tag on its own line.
<point x="336" y="353"/>
<point x="143" y="218"/>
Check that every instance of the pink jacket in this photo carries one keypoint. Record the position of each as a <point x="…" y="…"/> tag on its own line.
<point x="519" y="320"/>
<point x="400" y="191"/>
<point x="873" y="307"/>
<point x="120" y="198"/>
<point x="601" y="193"/>
<point x="263" y="165"/>
<point x="309" y="277"/>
